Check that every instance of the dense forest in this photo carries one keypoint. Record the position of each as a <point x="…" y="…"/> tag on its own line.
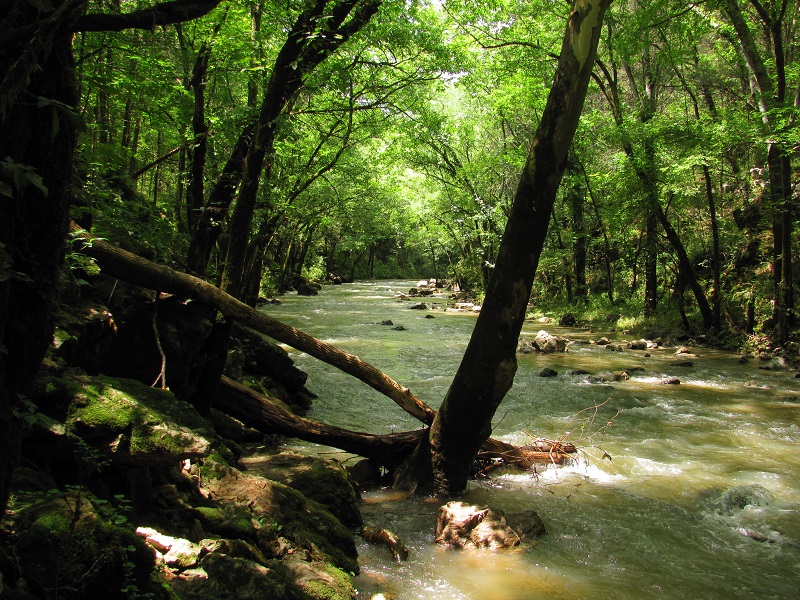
<point x="398" y="155"/>
<point x="263" y="146"/>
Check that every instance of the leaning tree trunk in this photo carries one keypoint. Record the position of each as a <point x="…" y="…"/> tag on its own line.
<point x="267" y="415"/>
<point x="686" y="269"/>
<point x="303" y="51"/>
<point x="487" y="370"/>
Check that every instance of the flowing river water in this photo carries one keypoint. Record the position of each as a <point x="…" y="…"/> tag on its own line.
<point x="680" y="491"/>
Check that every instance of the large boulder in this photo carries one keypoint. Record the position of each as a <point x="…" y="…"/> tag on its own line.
<point x="547" y="343"/>
<point x="460" y="526"/>
<point x="321" y="479"/>
<point x="225" y="568"/>
<point x="284" y="520"/>
<point x="65" y="548"/>
<point x="132" y="423"/>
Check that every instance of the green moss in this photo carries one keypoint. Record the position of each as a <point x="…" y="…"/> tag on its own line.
<point x="53" y="523"/>
<point x="307" y="523"/>
<point x="65" y="545"/>
<point x="152" y="420"/>
<point x="60" y="336"/>
<point x="338" y="587"/>
<point x="227" y="520"/>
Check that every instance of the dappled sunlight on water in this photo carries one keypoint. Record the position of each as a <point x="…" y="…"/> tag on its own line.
<point x="636" y="515"/>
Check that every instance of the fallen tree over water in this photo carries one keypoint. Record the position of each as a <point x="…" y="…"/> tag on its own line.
<point x="267" y="414"/>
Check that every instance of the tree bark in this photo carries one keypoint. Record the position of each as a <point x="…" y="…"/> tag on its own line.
<point x="136" y="270"/>
<point x="208" y="223"/>
<point x="302" y="52"/>
<point x="195" y="196"/>
<point x="37" y="134"/>
<point x="487" y="370"/>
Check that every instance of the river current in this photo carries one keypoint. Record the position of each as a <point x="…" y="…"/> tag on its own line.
<point x="683" y="491"/>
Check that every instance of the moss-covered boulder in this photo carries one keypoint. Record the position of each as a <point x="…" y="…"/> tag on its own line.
<point x="235" y="569"/>
<point x="321" y="479"/>
<point x="64" y="548"/>
<point x="133" y="423"/>
<point x="286" y="522"/>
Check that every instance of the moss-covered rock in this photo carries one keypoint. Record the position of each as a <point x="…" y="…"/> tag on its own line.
<point x="65" y="549"/>
<point x="323" y="480"/>
<point x="132" y="422"/>
<point x="226" y="577"/>
<point x="285" y="516"/>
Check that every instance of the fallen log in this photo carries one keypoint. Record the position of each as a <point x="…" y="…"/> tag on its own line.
<point x="119" y="263"/>
<point x="268" y="416"/>
<point x="540" y="451"/>
<point x="258" y="411"/>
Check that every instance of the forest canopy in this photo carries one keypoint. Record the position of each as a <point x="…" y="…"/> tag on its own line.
<point x="396" y="151"/>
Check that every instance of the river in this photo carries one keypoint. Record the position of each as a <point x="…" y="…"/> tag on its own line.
<point x="680" y="491"/>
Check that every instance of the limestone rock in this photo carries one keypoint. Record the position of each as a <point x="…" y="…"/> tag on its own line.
<point x="285" y="520"/>
<point x="321" y="479"/>
<point x="547" y="343"/>
<point x="461" y="525"/>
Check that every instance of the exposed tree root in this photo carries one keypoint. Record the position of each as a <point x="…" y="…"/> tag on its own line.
<point x="376" y="535"/>
<point x="495" y="454"/>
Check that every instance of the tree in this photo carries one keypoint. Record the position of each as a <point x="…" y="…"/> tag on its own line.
<point x="773" y="101"/>
<point x="317" y="33"/>
<point x="38" y="123"/>
<point x="487" y="370"/>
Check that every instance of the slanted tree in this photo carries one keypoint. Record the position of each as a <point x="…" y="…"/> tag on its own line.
<point x="487" y="369"/>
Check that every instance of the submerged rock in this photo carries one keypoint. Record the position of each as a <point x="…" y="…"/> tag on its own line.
<point x="528" y="524"/>
<point x="739" y="497"/>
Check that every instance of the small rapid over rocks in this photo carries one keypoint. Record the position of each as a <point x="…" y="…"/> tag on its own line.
<point x="678" y="491"/>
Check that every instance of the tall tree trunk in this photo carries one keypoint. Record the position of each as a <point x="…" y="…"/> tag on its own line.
<point x="36" y="61"/>
<point x="686" y="271"/>
<point x="39" y="136"/>
<point x="647" y="175"/>
<point x="606" y="242"/>
<point x="208" y="224"/>
<point x="772" y="98"/>
<point x="302" y="52"/>
<point x="487" y="370"/>
<point x="199" y="146"/>
<point x="577" y="204"/>
<point x="716" y="264"/>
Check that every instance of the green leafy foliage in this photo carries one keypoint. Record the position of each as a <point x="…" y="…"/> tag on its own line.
<point x="399" y="157"/>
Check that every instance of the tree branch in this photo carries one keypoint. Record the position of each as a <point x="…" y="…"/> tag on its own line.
<point x="164" y="13"/>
